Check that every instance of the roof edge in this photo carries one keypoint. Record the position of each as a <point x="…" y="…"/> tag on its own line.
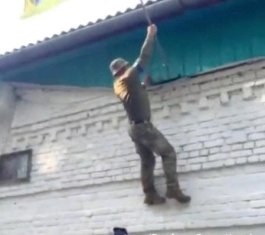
<point x="106" y="28"/>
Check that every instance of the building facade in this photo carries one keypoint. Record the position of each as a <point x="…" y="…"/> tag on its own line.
<point x="84" y="172"/>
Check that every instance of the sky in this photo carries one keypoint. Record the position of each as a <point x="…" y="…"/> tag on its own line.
<point x="16" y="32"/>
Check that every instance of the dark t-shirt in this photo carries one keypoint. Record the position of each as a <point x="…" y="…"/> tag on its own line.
<point x="129" y="90"/>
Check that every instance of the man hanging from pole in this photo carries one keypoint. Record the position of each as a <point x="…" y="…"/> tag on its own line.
<point x="147" y="139"/>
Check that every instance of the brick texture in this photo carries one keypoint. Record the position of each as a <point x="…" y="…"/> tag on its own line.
<point x="85" y="172"/>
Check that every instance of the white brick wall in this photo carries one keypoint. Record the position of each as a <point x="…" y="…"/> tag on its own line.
<point x="85" y="176"/>
<point x="7" y="107"/>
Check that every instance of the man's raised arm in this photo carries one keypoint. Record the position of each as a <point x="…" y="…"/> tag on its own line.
<point x="147" y="48"/>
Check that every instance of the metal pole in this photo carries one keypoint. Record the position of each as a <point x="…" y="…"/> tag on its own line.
<point x="158" y="44"/>
<point x="148" y="18"/>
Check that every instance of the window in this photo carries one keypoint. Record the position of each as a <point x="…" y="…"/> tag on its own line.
<point x="15" y="167"/>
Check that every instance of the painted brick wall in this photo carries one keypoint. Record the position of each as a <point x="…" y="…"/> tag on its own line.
<point x="85" y="176"/>
<point x="7" y="108"/>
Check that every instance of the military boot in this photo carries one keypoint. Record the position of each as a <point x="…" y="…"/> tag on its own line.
<point x="154" y="199"/>
<point x="176" y="193"/>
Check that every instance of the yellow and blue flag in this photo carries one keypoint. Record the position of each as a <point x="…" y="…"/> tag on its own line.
<point x="33" y="7"/>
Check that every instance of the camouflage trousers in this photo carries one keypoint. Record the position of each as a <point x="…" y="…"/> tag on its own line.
<point x="149" y="140"/>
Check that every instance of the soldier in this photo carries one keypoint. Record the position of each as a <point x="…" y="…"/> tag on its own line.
<point x="147" y="139"/>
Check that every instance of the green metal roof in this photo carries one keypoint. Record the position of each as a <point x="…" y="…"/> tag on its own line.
<point x="194" y="42"/>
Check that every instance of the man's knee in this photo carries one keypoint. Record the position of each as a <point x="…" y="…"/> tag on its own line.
<point x="147" y="156"/>
<point x="148" y="161"/>
<point x="167" y="151"/>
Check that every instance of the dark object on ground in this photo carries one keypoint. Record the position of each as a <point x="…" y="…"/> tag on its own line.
<point x="120" y="231"/>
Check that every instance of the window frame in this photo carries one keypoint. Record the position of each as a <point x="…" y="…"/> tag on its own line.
<point x="16" y="180"/>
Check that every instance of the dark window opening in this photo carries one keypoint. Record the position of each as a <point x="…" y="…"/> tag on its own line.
<point x="15" y="167"/>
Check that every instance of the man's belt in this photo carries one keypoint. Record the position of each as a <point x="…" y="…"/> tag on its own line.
<point x="139" y="121"/>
